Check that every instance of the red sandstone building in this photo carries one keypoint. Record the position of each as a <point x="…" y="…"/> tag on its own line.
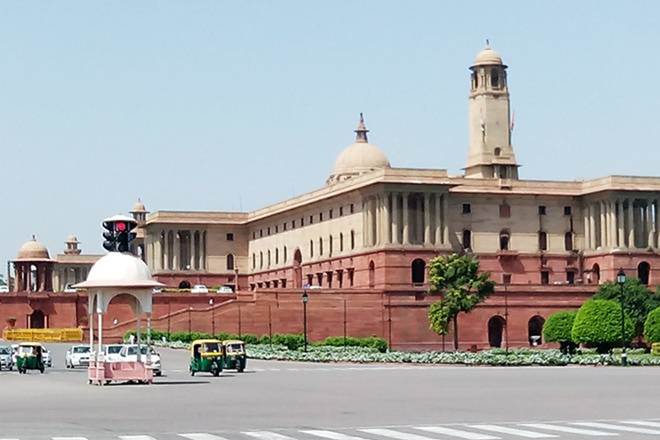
<point x="363" y="242"/>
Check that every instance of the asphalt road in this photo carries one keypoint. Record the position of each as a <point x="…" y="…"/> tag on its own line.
<point x="285" y="400"/>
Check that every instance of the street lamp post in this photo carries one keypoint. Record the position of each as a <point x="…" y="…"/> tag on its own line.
<point x="506" y="314"/>
<point x="621" y="280"/>
<point x="212" y="317"/>
<point x="305" y="298"/>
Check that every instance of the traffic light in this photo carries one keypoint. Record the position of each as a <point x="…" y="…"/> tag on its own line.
<point x="118" y="235"/>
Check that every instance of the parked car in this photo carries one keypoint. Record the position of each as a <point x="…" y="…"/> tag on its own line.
<point x="199" y="288"/>
<point x="46" y="356"/>
<point x="69" y="289"/>
<point x="4" y="288"/>
<point x="225" y="289"/>
<point x="14" y="352"/>
<point x="6" y="357"/>
<point x="129" y="353"/>
<point x="77" y="356"/>
<point x="112" y="351"/>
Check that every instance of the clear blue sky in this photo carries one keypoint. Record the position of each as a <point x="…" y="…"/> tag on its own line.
<point x="211" y="105"/>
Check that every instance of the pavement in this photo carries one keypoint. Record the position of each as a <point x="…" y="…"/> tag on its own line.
<point x="303" y="401"/>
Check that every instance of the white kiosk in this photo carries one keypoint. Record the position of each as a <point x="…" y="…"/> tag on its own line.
<point x="113" y="275"/>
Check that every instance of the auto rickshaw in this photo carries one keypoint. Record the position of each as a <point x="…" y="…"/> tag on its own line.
<point x="206" y="356"/>
<point x="30" y="357"/>
<point x="234" y="355"/>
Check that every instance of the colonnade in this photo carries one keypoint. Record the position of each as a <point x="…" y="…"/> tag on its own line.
<point x="631" y="223"/>
<point x="405" y="218"/>
<point x="33" y="276"/>
<point x="177" y="250"/>
<point x="70" y="275"/>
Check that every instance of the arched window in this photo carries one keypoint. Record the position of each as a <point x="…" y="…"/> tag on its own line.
<point x="341" y="242"/>
<point x="498" y="151"/>
<point x="277" y="255"/>
<point x="505" y="210"/>
<point x="535" y="330"/>
<point x="495" y="329"/>
<point x="184" y="285"/>
<point x="261" y="259"/>
<point x="643" y="272"/>
<point x="372" y="274"/>
<point x="568" y="241"/>
<point x="284" y="256"/>
<point x="504" y="240"/>
<point x="320" y="246"/>
<point x="311" y="248"/>
<point x="37" y="319"/>
<point x="467" y="239"/>
<point x="268" y="258"/>
<point x="254" y="260"/>
<point x="543" y="241"/>
<point x="475" y="78"/>
<point x="352" y="239"/>
<point x="330" y="245"/>
<point x="494" y="78"/>
<point x="595" y="274"/>
<point x="418" y="269"/>
<point x="230" y="262"/>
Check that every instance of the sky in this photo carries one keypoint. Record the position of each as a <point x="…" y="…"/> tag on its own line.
<point x="219" y="105"/>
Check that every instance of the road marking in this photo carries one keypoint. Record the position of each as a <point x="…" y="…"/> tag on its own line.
<point x="69" y="438"/>
<point x="513" y="431"/>
<point x="642" y="423"/>
<point x="136" y="437"/>
<point x="332" y="435"/>
<point x="618" y="428"/>
<point x="568" y="429"/>
<point x="456" y="433"/>
<point x="396" y="434"/>
<point x="267" y="435"/>
<point x="202" y="436"/>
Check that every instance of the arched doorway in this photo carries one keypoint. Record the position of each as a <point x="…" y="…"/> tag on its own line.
<point x="417" y="270"/>
<point x="535" y="330"/>
<point x="372" y="274"/>
<point x="184" y="285"/>
<point x="37" y="319"/>
<point x="495" y="330"/>
<point x="595" y="274"/>
<point x="643" y="272"/>
<point x="297" y="269"/>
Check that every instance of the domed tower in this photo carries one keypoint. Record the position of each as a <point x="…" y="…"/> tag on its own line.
<point x="72" y="246"/>
<point x="33" y="268"/>
<point x="490" y="152"/>
<point x="139" y="213"/>
<point x="358" y="158"/>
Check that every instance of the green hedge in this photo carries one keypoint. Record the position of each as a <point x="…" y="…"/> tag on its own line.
<point x="652" y="326"/>
<point x="598" y="324"/>
<point x="558" y="328"/>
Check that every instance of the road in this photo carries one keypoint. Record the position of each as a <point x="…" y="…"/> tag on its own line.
<point x="286" y="400"/>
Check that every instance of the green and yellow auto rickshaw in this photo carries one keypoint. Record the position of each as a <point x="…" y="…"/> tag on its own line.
<point x="29" y="357"/>
<point x="234" y="355"/>
<point x="206" y="356"/>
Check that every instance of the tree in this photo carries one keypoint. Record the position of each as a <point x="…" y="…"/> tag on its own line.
<point x="457" y="279"/>
<point x="558" y="328"/>
<point x="638" y="300"/>
<point x="598" y="324"/>
<point x="652" y="327"/>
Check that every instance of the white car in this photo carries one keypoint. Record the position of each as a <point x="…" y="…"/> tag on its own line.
<point x="199" y="288"/>
<point x="47" y="358"/>
<point x="225" y="289"/>
<point x="77" y="356"/>
<point x="4" y="288"/>
<point x="128" y="353"/>
<point x="69" y="289"/>
<point x="112" y="352"/>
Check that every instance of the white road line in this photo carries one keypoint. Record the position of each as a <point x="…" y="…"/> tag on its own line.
<point x="201" y="436"/>
<point x="568" y="429"/>
<point x="456" y="433"/>
<point x="618" y="428"/>
<point x="513" y="431"/>
<point x="398" y="435"/>
<point x="331" y="435"/>
<point x="136" y="437"/>
<point x="267" y="435"/>
<point x="69" y="438"/>
<point x="642" y="423"/>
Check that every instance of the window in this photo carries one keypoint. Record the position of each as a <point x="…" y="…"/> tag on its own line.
<point x="417" y="270"/>
<point x="283" y="226"/>
<point x="230" y="236"/>
<point x="268" y="231"/>
<point x="261" y="232"/>
<point x="351" y="277"/>
<point x="230" y="262"/>
<point x="330" y="213"/>
<point x="467" y="239"/>
<point x="497" y="151"/>
<point x="283" y="281"/>
<point x="568" y="210"/>
<point x="254" y="260"/>
<point x="570" y="277"/>
<point x="261" y="260"/>
<point x="568" y="241"/>
<point x="474" y="80"/>
<point x="311" y="248"/>
<point x="542" y="210"/>
<point x="254" y="235"/>
<point x="506" y="278"/>
<point x="284" y="257"/>
<point x="352" y="210"/>
<point x="320" y="246"/>
<point x="330" y="245"/>
<point x="545" y="277"/>
<point x="505" y="211"/>
<point x="277" y="229"/>
<point x="543" y="241"/>
<point x="504" y="240"/>
<point x="302" y="221"/>
<point x="268" y="257"/>
<point x="341" y="211"/>
<point x="494" y="78"/>
<point x="293" y="224"/>
<point x="372" y="274"/>
<point x="341" y="242"/>
<point x="467" y="209"/>
<point x="320" y="216"/>
<point x="311" y="219"/>
<point x="352" y="241"/>
<point x="643" y="272"/>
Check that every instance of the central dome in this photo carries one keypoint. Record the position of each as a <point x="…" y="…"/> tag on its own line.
<point x="358" y="158"/>
<point x="33" y="250"/>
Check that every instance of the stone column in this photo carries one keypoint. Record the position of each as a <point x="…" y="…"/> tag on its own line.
<point x="419" y="221"/>
<point x="395" y="218"/>
<point x="191" y="246"/>
<point x="587" y="232"/>
<point x="445" y="218"/>
<point x="370" y="223"/>
<point x="378" y="211"/>
<point x="406" y="220"/>
<point x="631" y="223"/>
<point x="650" y="223"/>
<point x="158" y="251"/>
<point x="166" y="265"/>
<point x="438" y="220"/>
<point x="203" y="263"/>
<point x="177" y="251"/>
<point x="387" y="218"/>
<point x="592" y="226"/>
<point x="603" y="224"/>
<point x="427" y="219"/>
<point x="620" y="242"/>
<point x="657" y="224"/>
<point x="612" y="223"/>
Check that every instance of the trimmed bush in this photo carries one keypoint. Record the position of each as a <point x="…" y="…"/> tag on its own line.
<point x="598" y="324"/>
<point x="652" y="326"/>
<point x="558" y="328"/>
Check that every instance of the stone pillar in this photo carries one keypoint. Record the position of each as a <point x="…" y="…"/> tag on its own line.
<point x="445" y="218"/>
<point x="592" y="225"/>
<point x="191" y="246"/>
<point x="387" y="218"/>
<point x="620" y="242"/>
<point x="370" y="235"/>
<point x="395" y="218"/>
<point x="657" y="224"/>
<point x="438" y="220"/>
<point x="611" y="222"/>
<point x="427" y="219"/>
<point x="631" y="223"/>
<point x="365" y="223"/>
<point x="419" y="221"/>
<point x="203" y="250"/>
<point x="603" y="225"/>
<point x="177" y="251"/>
<point x="378" y="212"/>
<point x="587" y="232"/>
<point x="158" y="251"/>
<point x="650" y="224"/>
<point x="406" y="219"/>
